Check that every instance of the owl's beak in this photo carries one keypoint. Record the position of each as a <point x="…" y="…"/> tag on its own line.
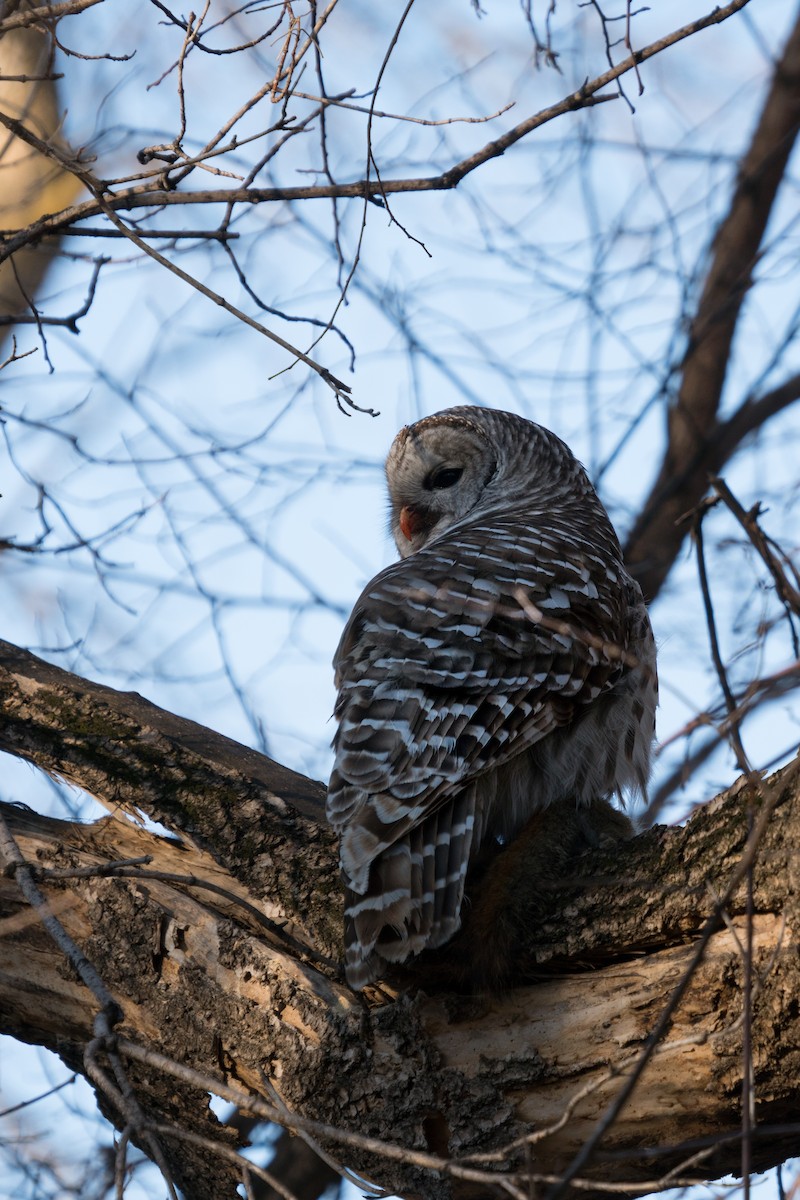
<point x="411" y="521"/>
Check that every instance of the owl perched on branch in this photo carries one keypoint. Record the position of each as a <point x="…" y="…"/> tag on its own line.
<point x="506" y="662"/>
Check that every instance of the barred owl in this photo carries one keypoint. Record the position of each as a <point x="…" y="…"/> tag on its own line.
<point x="504" y="663"/>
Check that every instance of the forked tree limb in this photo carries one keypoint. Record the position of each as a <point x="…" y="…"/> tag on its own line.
<point x="443" y="1077"/>
<point x="699" y="441"/>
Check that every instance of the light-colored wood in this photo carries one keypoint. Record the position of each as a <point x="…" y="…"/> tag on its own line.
<point x="202" y="981"/>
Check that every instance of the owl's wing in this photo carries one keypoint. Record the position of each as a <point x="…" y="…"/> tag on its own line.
<point x="445" y="672"/>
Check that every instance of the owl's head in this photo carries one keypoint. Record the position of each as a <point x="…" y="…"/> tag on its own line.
<point x="468" y="461"/>
<point x="437" y="471"/>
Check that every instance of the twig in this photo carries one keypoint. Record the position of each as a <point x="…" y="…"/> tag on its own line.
<point x="788" y="592"/>
<point x="51" y="13"/>
<point x="70" y="322"/>
<point x="223" y="1151"/>
<point x="7" y="1112"/>
<point x="328" y="101"/>
<point x="734" y="736"/>
<point x="146" y="196"/>
<point x="169" y="235"/>
<point x="15" y="866"/>
<point x="516" y="1184"/>
<point x="716" y="656"/>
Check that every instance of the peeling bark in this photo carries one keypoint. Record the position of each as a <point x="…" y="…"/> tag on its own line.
<point x="200" y="979"/>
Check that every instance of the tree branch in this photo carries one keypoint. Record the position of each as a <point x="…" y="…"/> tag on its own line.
<point x="696" y="444"/>
<point x="751" y="415"/>
<point x="431" y="1094"/>
<point x="253" y="815"/>
<point x="149" y="195"/>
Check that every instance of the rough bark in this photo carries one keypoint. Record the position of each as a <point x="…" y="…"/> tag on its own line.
<point x="260" y="819"/>
<point x="202" y="981"/>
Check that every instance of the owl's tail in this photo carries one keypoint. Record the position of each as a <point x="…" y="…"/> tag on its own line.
<point x="413" y="895"/>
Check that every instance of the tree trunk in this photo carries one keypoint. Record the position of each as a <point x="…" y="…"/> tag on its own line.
<point x="32" y="183"/>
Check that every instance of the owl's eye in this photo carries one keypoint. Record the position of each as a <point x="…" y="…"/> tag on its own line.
<point x="444" y="478"/>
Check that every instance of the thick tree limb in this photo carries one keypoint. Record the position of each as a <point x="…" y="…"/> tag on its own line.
<point x="698" y="443"/>
<point x="253" y="815"/>
<point x="441" y="1076"/>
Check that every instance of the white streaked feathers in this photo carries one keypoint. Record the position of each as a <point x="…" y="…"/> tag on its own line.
<point x="459" y="716"/>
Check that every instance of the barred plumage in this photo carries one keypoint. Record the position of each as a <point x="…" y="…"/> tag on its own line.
<point x="505" y="662"/>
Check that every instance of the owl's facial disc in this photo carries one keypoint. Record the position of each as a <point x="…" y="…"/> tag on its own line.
<point x="415" y="520"/>
<point x="437" y="472"/>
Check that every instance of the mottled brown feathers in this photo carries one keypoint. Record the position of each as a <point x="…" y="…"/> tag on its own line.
<point x="505" y="663"/>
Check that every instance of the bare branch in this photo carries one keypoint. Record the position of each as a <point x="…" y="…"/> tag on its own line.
<point x="27" y="17"/>
<point x="695" y="448"/>
<point x="147" y="196"/>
